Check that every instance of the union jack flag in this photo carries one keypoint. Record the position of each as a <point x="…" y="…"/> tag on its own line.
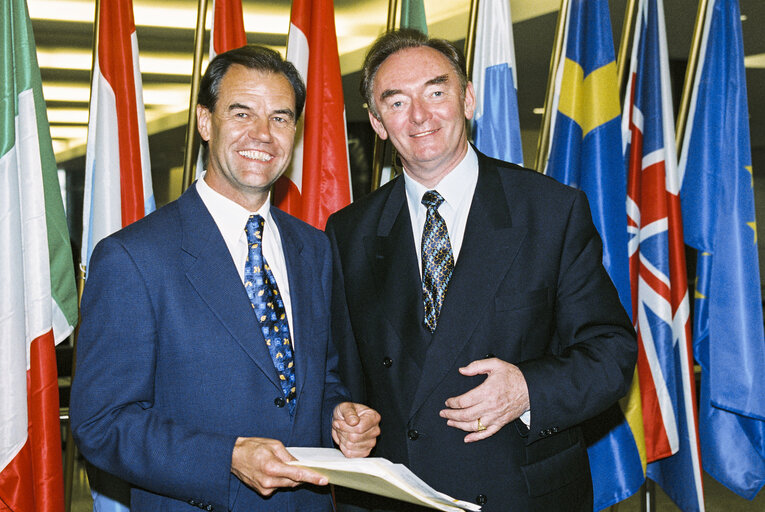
<point x="657" y="267"/>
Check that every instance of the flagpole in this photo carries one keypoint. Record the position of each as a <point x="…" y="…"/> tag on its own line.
<point x="379" y="147"/>
<point x="544" y="132"/>
<point x="470" y="37"/>
<point x="690" y="73"/>
<point x="191" y="129"/>
<point x="621" y="59"/>
<point x="69" y="451"/>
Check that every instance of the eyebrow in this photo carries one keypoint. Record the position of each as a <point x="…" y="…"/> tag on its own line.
<point x="283" y="111"/>
<point x="441" y="79"/>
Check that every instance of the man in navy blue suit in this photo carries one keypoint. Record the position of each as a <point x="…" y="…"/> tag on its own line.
<point x="176" y="391"/>
<point x="470" y="305"/>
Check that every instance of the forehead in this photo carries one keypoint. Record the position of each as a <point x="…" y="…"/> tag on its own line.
<point x="241" y="82"/>
<point x="411" y="67"/>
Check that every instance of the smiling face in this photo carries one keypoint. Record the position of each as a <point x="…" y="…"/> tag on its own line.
<point x="250" y="134"/>
<point x="422" y="108"/>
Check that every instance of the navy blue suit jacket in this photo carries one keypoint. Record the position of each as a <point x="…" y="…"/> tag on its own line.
<point x="172" y="366"/>
<point x="529" y="288"/>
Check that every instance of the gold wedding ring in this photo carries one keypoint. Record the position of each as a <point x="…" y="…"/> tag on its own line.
<point x="480" y="427"/>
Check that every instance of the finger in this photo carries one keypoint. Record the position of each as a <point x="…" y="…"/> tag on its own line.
<point x="484" y="434"/>
<point x="346" y="413"/>
<point x="466" y="400"/>
<point x="480" y="366"/>
<point x="467" y="414"/>
<point x="469" y="426"/>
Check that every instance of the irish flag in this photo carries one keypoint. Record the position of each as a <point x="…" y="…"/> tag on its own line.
<point x="118" y="187"/>
<point x="318" y="182"/>
<point x="38" y="300"/>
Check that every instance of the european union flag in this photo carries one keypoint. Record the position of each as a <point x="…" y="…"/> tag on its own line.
<point x="586" y="152"/>
<point x="719" y="221"/>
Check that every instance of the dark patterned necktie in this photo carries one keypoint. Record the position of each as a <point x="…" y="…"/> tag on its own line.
<point x="437" y="260"/>
<point x="269" y="308"/>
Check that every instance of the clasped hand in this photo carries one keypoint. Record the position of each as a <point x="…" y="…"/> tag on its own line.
<point x="501" y="398"/>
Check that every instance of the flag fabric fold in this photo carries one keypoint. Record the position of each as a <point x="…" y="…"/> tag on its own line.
<point x="661" y="307"/>
<point x="413" y="15"/>
<point x="38" y="297"/>
<point x="318" y="182"/>
<point x="719" y="221"/>
<point x="496" y="126"/>
<point x="585" y="152"/>
<point x="118" y="187"/>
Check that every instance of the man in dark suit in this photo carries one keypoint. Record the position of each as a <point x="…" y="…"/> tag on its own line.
<point x="469" y="296"/>
<point x="187" y="383"/>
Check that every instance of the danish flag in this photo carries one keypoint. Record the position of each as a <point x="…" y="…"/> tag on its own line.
<point x="658" y="278"/>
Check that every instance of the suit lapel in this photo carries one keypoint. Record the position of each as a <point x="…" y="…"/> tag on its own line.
<point x="488" y="249"/>
<point x="302" y="282"/>
<point x="394" y="263"/>
<point x="211" y="272"/>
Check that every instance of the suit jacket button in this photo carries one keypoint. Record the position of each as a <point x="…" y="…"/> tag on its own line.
<point x="555" y="430"/>
<point x="387" y="362"/>
<point x="209" y="508"/>
<point x="481" y="499"/>
<point x="279" y="401"/>
<point x="489" y="356"/>
<point x="413" y="435"/>
<point x="192" y="503"/>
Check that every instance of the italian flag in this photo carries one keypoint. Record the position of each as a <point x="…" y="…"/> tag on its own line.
<point x="38" y="301"/>
<point x="318" y="182"/>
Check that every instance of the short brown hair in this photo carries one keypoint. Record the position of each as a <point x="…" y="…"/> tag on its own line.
<point x="397" y="40"/>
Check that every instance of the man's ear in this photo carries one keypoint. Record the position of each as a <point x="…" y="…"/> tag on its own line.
<point x="377" y="126"/>
<point x="469" y="101"/>
<point x="203" y="122"/>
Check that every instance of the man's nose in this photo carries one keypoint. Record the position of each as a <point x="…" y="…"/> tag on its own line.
<point x="260" y="129"/>
<point x="418" y="112"/>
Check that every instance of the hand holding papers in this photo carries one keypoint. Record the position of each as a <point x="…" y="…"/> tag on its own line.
<point x="376" y="475"/>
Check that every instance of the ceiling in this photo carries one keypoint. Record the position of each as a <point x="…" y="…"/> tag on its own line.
<point x="63" y="31"/>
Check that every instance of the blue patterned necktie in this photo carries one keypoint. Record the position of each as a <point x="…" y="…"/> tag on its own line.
<point x="437" y="260"/>
<point x="268" y="306"/>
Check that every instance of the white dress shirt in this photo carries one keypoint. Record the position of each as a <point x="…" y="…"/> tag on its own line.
<point x="231" y="219"/>
<point x="457" y="189"/>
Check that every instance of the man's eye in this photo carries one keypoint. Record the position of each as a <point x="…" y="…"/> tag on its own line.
<point x="438" y="93"/>
<point x="240" y="115"/>
<point x="396" y="104"/>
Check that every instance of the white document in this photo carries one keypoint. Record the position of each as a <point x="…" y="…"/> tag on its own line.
<point x="376" y="475"/>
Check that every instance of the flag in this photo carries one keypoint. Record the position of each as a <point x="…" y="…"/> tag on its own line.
<point x="496" y="126"/>
<point x="585" y="152"/>
<point x="661" y="307"/>
<point x="413" y="15"/>
<point x="318" y="183"/>
<point x="38" y="299"/>
<point x="719" y="220"/>
<point x="227" y="30"/>
<point x="118" y="187"/>
<point x="226" y="34"/>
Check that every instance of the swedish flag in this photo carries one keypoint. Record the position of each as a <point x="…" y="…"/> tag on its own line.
<point x="586" y="153"/>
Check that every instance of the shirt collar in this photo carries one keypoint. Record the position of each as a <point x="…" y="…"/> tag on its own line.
<point x="455" y="187"/>
<point x="230" y="216"/>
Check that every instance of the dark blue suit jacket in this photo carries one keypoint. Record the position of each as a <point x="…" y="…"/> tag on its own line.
<point x="172" y="366"/>
<point x="529" y="288"/>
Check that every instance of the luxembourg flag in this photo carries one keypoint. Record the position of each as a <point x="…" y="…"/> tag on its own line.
<point x="496" y="128"/>
<point x="660" y="303"/>
<point x="118" y="187"/>
<point x="226" y="34"/>
<point x="38" y="299"/>
<point x="318" y="183"/>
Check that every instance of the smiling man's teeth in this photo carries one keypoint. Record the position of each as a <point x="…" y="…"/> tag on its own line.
<point x="256" y="155"/>
<point x="422" y="134"/>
